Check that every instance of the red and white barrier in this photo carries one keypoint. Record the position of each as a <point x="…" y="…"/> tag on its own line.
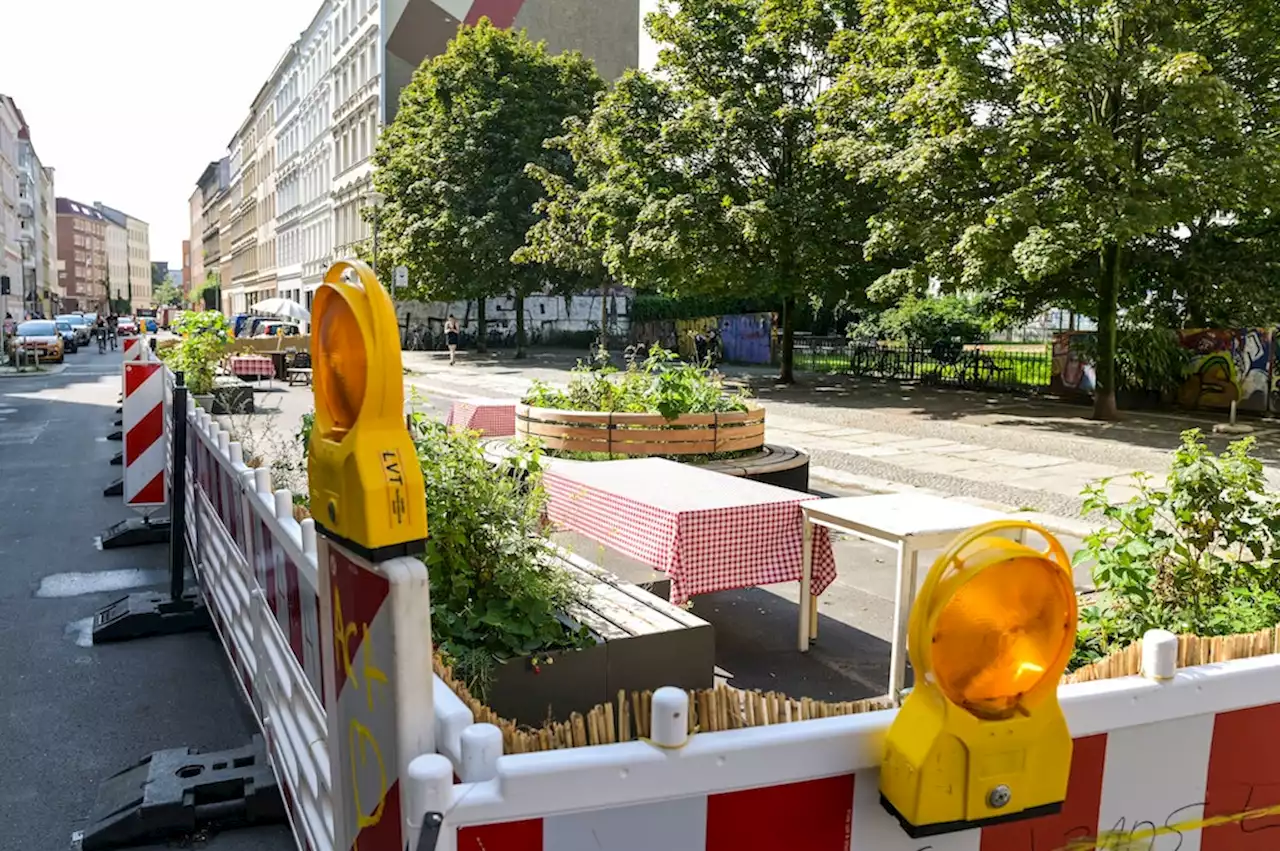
<point x="144" y="435"/>
<point x="134" y="348"/>
<point x="334" y="655"/>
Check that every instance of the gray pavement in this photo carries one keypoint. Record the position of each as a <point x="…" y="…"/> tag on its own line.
<point x="75" y="713"/>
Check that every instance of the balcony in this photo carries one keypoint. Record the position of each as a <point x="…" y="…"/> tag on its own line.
<point x="25" y="210"/>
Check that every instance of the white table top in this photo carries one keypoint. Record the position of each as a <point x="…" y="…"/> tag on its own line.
<point x="902" y="515"/>
<point x="670" y="485"/>
<point x="487" y="402"/>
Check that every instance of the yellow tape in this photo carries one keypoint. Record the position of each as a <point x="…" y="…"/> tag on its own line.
<point x="1119" y="840"/>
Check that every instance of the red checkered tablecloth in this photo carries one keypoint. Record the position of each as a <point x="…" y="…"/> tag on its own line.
<point x="709" y="531"/>
<point x="490" y="417"/>
<point x="242" y="365"/>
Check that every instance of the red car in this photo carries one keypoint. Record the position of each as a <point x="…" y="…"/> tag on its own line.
<point x="126" y="327"/>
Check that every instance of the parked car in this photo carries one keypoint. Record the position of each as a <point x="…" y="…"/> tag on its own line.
<point x="39" y="338"/>
<point x="272" y="329"/>
<point x="126" y="326"/>
<point x="68" y="335"/>
<point x="80" y="324"/>
<point x="149" y="322"/>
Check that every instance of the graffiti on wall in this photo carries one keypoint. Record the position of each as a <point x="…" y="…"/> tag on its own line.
<point x="1227" y="366"/>
<point x="688" y="329"/>
<point x="748" y="338"/>
<point x="1072" y="372"/>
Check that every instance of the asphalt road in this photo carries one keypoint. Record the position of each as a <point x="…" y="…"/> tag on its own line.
<point x="74" y="713"/>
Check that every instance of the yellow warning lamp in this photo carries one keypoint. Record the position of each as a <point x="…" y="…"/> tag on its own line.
<point x="981" y="738"/>
<point x="366" y="486"/>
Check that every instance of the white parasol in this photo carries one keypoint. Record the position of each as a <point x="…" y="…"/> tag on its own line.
<point x="284" y="307"/>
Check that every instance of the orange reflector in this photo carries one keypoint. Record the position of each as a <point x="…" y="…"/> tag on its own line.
<point x="1000" y="634"/>
<point x="342" y="370"/>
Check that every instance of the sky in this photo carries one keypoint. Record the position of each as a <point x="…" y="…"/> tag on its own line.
<point x="129" y="100"/>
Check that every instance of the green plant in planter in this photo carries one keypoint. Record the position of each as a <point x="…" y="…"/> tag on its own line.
<point x="496" y="591"/>
<point x="205" y="337"/>
<point x="1198" y="555"/>
<point x="659" y="383"/>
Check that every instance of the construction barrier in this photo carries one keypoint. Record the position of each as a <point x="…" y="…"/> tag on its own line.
<point x="372" y="751"/>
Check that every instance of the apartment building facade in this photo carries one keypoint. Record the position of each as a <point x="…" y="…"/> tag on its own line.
<point x="132" y="282"/>
<point x="11" y="301"/>
<point x="206" y="246"/>
<point x="35" y="286"/>
<point x="119" y="287"/>
<point x="301" y="164"/>
<point x="186" y="266"/>
<point x="82" y="255"/>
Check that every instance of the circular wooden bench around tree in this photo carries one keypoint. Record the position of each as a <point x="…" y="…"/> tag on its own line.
<point x="625" y="434"/>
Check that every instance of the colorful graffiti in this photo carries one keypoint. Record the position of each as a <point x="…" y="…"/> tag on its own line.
<point x="1227" y="366"/>
<point x="748" y="338"/>
<point x="688" y="329"/>
<point x="1071" y="371"/>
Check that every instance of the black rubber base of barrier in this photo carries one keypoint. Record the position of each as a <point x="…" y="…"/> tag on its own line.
<point x="116" y="435"/>
<point x="177" y="793"/>
<point x="117" y="459"/>
<point x="116" y="488"/>
<point x="147" y="614"/>
<point x="118" y="423"/>
<point x="119" y="409"/>
<point x="136" y="532"/>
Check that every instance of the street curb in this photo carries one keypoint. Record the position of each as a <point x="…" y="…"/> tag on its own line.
<point x="1052" y="522"/>
<point x="54" y="369"/>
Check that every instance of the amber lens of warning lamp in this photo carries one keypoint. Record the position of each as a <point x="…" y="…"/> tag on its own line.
<point x="1001" y="633"/>
<point x="342" y="371"/>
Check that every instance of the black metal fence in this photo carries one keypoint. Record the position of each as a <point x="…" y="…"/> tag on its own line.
<point x="979" y="368"/>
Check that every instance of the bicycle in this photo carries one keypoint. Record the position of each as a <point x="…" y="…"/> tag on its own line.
<point x="102" y="341"/>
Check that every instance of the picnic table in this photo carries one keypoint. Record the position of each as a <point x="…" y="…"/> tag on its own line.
<point x="708" y="531"/>
<point x="490" y="417"/>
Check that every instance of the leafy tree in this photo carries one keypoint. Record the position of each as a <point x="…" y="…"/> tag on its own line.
<point x="1039" y="150"/>
<point x="452" y="164"/>
<point x="167" y="292"/>
<point x="705" y="179"/>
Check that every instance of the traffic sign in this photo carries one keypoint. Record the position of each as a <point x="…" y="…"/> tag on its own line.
<point x="366" y="486"/>
<point x="981" y="738"/>
<point x="401" y="278"/>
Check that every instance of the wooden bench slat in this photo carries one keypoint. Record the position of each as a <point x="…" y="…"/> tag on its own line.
<point x="666" y="607"/>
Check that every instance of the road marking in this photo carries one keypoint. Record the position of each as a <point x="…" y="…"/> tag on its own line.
<point x="25" y="435"/>
<point x="98" y="582"/>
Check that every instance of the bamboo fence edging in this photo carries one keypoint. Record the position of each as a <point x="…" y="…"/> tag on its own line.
<point x="642" y="434"/>
<point x="727" y="708"/>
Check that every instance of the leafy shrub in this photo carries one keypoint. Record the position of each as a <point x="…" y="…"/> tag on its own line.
<point x="925" y="320"/>
<point x="660" y="383"/>
<point x="496" y="591"/>
<point x="205" y="337"/>
<point x="1195" y="556"/>
<point x="1148" y="358"/>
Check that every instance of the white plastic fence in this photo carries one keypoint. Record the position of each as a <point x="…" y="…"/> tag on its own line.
<point x="1183" y="761"/>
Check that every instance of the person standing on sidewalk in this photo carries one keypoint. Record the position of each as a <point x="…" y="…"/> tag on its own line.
<point x="451" y="337"/>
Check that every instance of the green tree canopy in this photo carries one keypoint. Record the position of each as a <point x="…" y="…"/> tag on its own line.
<point x="452" y="164"/>
<point x="1039" y="150"/>
<point x="167" y="292"/>
<point x="704" y="178"/>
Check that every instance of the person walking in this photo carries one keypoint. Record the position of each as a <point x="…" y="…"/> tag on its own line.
<point x="451" y="337"/>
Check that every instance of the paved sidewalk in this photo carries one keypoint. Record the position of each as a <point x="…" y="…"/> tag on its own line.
<point x="1012" y="452"/>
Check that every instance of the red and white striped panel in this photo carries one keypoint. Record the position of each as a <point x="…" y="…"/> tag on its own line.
<point x="143" y="418"/>
<point x="1151" y="787"/>
<point x="135" y="349"/>
<point x="363" y="736"/>
<point x="292" y="600"/>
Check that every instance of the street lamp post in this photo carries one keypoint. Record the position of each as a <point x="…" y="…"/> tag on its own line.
<point x="375" y="199"/>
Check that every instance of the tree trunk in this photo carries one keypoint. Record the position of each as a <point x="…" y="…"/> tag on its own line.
<point x="1104" y="398"/>
<point x="520" y="338"/>
<point x="482" y="335"/>
<point x="787" y="374"/>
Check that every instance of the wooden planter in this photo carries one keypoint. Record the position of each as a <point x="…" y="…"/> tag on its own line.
<point x="642" y="434"/>
<point x="641" y="642"/>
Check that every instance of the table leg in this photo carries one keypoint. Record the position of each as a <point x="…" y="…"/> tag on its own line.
<point x="901" y="616"/>
<point x="806" y="586"/>
<point x="813" y="617"/>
